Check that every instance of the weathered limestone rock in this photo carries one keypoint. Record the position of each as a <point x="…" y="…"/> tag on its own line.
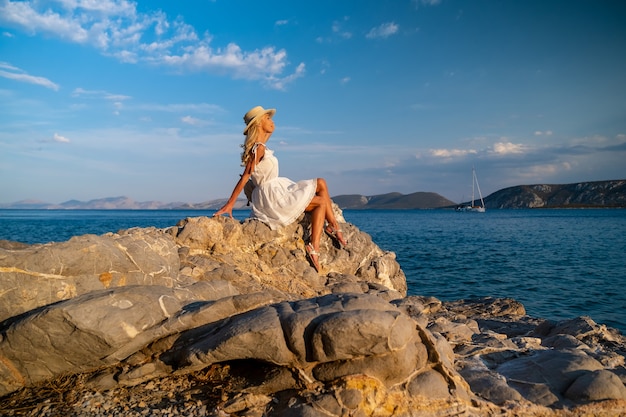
<point x="597" y="386"/>
<point x="39" y="275"/>
<point x="326" y="338"/>
<point x="549" y="366"/>
<point x="80" y="334"/>
<point x="256" y="258"/>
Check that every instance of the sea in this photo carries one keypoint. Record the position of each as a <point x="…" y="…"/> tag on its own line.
<point x="559" y="263"/>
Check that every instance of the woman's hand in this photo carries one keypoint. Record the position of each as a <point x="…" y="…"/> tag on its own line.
<point x="228" y="207"/>
<point x="224" y="210"/>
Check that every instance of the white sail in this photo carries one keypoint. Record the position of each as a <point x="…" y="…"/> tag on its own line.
<point x="473" y="207"/>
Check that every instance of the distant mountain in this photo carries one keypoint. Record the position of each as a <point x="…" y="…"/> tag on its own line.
<point x="577" y="195"/>
<point x="213" y="205"/>
<point x="118" y="203"/>
<point x="26" y="205"/>
<point x="419" y="200"/>
<point x="114" y="203"/>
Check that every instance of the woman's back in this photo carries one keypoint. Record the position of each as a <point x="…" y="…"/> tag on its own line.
<point x="266" y="169"/>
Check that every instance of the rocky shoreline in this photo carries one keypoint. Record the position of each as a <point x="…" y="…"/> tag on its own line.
<point x="225" y="318"/>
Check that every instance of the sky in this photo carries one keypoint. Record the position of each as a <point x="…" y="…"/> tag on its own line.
<point x="145" y="99"/>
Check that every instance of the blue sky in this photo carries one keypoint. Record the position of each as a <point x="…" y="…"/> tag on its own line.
<point x="102" y="98"/>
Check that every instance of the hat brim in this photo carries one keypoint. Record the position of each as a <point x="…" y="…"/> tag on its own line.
<point x="271" y="112"/>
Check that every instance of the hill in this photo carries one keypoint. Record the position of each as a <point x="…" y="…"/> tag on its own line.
<point x="594" y="194"/>
<point x="419" y="200"/>
<point x="119" y="203"/>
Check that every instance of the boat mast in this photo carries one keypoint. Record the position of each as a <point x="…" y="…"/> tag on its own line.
<point x="473" y="181"/>
<point x="482" y="202"/>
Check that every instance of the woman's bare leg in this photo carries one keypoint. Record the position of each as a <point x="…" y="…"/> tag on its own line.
<point x="321" y="210"/>
<point x="318" y="215"/>
<point x="322" y="191"/>
<point x="317" y="209"/>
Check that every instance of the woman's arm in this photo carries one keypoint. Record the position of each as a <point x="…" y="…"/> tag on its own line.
<point x="228" y="207"/>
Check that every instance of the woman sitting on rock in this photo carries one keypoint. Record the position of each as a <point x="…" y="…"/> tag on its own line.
<point x="278" y="201"/>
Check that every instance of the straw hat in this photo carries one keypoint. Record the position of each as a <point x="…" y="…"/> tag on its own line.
<point x="254" y="114"/>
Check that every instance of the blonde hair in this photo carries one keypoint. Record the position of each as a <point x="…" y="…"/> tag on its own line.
<point x="248" y="144"/>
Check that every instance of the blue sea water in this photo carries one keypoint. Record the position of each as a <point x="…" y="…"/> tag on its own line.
<point x="559" y="263"/>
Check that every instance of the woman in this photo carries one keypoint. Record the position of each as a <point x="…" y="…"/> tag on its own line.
<point x="278" y="201"/>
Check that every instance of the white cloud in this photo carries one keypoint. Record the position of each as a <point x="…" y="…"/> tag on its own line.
<point x="117" y="29"/>
<point x="105" y="7"/>
<point x="266" y="64"/>
<point x="281" y="83"/>
<point x="451" y="153"/>
<point x="337" y="29"/>
<point x="383" y="31"/>
<point x="60" y="139"/>
<point x="193" y="121"/>
<point x="182" y="108"/>
<point x="17" y="74"/>
<point x="81" y="92"/>
<point x="506" y="148"/>
<point x="543" y="133"/>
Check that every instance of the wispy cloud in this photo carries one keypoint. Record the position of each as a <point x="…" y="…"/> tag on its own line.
<point x="80" y="92"/>
<point x="452" y="153"/>
<point x="193" y="121"/>
<point x="338" y="29"/>
<point x="60" y="139"/>
<point x="14" y="73"/>
<point x="543" y="133"/>
<point x="504" y="148"/>
<point x="383" y="31"/>
<point x="338" y="32"/>
<point x="117" y="29"/>
<point x="182" y="108"/>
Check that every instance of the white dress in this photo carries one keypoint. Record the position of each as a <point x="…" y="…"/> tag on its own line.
<point x="278" y="201"/>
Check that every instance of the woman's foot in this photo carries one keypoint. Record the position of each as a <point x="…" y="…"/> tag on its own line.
<point x="313" y="256"/>
<point x="336" y="235"/>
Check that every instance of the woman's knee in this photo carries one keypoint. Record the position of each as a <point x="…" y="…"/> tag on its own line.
<point x="316" y="203"/>
<point x="321" y="185"/>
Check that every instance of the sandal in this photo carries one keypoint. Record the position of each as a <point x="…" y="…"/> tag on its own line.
<point x="313" y="256"/>
<point x="336" y="235"/>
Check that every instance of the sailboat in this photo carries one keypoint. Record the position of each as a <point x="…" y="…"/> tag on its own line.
<point x="472" y="207"/>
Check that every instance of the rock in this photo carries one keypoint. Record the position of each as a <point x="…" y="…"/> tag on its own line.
<point x="87" y="332"/>
<point x="597" y="386"/>
<point x="270" y="259"/>
<point x="39" y="275"/>
<point x="220" y="317"/>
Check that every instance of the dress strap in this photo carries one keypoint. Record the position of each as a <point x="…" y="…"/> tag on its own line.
<point x="256" y="145"/>
<point x="253" y="150"/>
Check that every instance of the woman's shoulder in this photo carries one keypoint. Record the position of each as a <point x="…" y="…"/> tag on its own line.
<point x="257" y="145"/>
